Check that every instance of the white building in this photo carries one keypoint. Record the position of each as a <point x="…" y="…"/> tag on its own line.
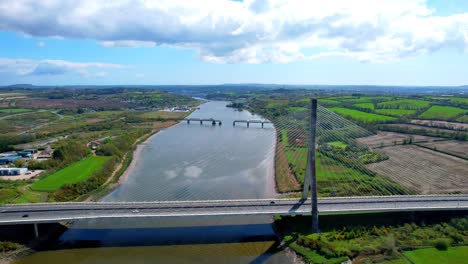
<point x="12" y="171"/>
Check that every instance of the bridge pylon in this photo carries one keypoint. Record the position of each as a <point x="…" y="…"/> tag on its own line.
<point x="310" y="180"/>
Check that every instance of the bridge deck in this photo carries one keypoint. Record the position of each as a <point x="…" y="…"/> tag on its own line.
<point x="59" y="212"/>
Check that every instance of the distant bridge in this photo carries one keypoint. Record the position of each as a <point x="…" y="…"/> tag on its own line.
<point x="64" y="212"/>
<point x="252" y="121"/>
<point x="201" y="120"/>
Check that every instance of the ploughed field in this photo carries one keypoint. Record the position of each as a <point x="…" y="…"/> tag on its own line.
<point x="456" y="148"/>
<point x="383" y="138"/>
<point x="423" y="170"/>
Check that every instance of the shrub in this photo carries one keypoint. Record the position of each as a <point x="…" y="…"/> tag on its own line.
<point x="8" y="246"/>
<point x="441" y="244"/>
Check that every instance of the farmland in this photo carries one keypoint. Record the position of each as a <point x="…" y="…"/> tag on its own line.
<point x="424" y="130"/>
<point x="395" y="112"/>
<point x="438" y="112"/>
<point x="452" y="147"/>
<point x="362" y="116"/>
<point x="365" y="106"/>
<point x="463" y="119"/>
<point x="423" y="170"/>
<point x="76" y="172"/>
<point x="390" y="138"/>
<point x="404" y="104"/>
<point x="10" y="111"/>
<point x="26" y="121"/>
<point x="441" y="124"/>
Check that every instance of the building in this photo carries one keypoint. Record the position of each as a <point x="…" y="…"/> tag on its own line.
<point x="25" y="154"/>
<point x="6" y="154"/>
<point x="12" y="171"/>
<point x="9" y="159"/>
<point x="94" y="144"/>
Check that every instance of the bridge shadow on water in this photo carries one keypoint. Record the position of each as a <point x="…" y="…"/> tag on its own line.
<point x="166" y="236"/>
<point x="172" y="236"/>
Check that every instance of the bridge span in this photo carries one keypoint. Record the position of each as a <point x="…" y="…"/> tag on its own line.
<point x="201" y="120"/>
<point x="251" y="121"/>
<point x="65" y="212"/>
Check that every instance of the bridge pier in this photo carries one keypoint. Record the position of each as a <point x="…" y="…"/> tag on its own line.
<point x="248" y="124"/>
<point x="262" y="124"/>
<point x="188" y="121"/>
<point x="36" y="231"/>
<point x="220" y="123"/>
<point x="213" y="123"/>
<point x="310" y="181"/>
<point x="201" y="122"/>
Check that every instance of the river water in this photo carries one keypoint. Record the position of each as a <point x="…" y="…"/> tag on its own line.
<point x="186" y="162"/>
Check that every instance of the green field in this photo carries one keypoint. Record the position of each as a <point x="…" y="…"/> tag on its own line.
<point x="14" y="110"/>
<point x="457" y="255"/>
<point x="365" y="106"/>
<point x="463" y="119"/>
<point x="327" y="102"/>
<point x="361" y="116"/>
<point x="30" y="196"/>
<point x="459" y="100"/>
<point x="395" y="112"/>
<point x="76" y="172"/>
<point x="438" y="112"/>
<point x="338" y="144"/>
<point x="404" y="104"/>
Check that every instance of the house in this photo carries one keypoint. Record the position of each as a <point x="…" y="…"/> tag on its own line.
<point x="94" y="144"/>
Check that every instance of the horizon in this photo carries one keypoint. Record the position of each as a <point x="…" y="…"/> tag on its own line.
<point x="412" y="43"/>
<point x="280" y="86"/>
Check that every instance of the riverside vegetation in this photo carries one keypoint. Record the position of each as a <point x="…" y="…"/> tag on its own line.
<point x="378" y="238"/>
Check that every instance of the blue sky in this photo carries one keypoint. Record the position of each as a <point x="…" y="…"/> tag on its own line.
<point x="382" y="42"/>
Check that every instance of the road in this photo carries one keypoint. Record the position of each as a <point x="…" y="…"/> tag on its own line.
<point x="63" y="212"/>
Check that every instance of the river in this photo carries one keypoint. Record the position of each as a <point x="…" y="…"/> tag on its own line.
<point x="186" y="162"/>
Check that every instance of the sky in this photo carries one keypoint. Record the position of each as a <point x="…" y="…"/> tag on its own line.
<point x="336" y="42"/>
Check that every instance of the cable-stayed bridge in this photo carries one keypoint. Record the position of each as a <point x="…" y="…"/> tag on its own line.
<point x="63" y="212"/>
<point x="313" y="146"/>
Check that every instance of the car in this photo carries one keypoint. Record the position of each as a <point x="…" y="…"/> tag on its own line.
<point x="25" y="215"/>
<point x="135" y="211"/>
<point x="272" y="202"/>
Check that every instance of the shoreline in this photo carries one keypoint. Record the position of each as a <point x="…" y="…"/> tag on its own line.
<point x="136" y="155"/>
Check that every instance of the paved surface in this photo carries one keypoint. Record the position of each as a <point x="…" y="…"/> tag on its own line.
<point x="58" y="212"/>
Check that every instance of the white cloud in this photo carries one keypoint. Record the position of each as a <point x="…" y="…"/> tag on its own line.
<point x="41" y="44"/>
<point x="101" y="74"/>
<point x="54" y="67"/>
<point x="253" y="31"/>
<point x="192" y="171"/>
<point x="128" y="44"/>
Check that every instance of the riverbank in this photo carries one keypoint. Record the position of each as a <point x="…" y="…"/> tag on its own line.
<point x="22" y="243"/>
<point x="123" y="169"/>
<point x="136" y="156"/>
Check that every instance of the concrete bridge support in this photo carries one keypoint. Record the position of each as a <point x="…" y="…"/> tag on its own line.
<point x="310" y="181"/>
<point x="36" y="231"/>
